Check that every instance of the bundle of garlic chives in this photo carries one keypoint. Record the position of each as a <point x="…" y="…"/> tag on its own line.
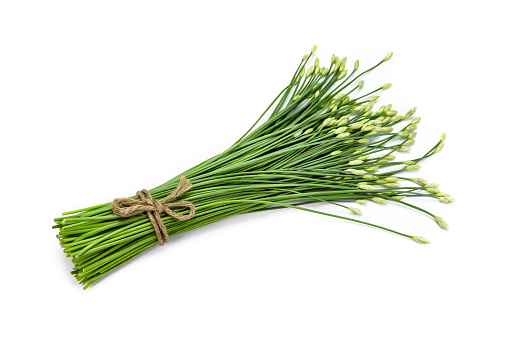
<point x="318" y="144"/>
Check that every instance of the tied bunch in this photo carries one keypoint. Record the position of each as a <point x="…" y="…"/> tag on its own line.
<point x="319" y="143"/>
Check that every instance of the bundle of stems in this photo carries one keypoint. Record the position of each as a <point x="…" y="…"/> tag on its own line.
<point x="318" y="143"/>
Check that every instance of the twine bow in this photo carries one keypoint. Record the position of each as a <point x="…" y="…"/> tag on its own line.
<point x="127" y="207"/>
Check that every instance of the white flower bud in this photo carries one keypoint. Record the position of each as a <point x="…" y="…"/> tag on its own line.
<point x="442" y="138"/>
<point x="387" y="86"/>
<point x="342" y="74"/>
<point x="409" y="142"/>
<point x="403" y="134"/>
<point x="356" y="65"/>
<point x="366" y="187"/>
<point x="313" y="49"/>
<point x="355" y="162"/>
<point x="374" y="98"/>
<point x="360" y="84"/>
<point x="397" y="118"/>
<point x="392" y="185"/>
<point x="411" y="127"/>
<point x="317" y="63"/>
<point x="420" y="240"/>
<point x="412" y="134"/>
<point x="363" y="140"/>
<point x="392" y="179"/>
<point x="358" y="172"/>
<point x="441" y="223"/>
<point x="391" y="112"/>
<point x="305" y="56"/>
<point x="432" y="185"/>
<point x="361" y="201"/>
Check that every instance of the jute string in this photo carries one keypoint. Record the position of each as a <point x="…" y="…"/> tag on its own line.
<point x="127" y="207"/>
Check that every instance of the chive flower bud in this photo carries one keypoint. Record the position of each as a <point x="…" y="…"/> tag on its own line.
<point x="392" y="179"/>
<point x="361" y="201"/>
<point x="416" y="120"/>
<point x="360" y="84"/>
<point x="355" y="162"/>
<point x="342" y="74"/>
<point x="340" y="130"/>
<point x="335" y="152"/>
<point x="441" y="223"/>
<point x="420" y="240"/>
<point x="379" y="200"/>
<point x="374" y="98"/>
<point x="408" y="162"/>
<point x="355" y="211"/>
<point x="387" y="57"/>
<point x="403" y="134"/>
<point x="308" y="131"/>
<point x="413" y="167"/>
<point x="410" y="113"/>
<point x="399" y="197"/>
<point x="313" y="49"/>
<point x="420" y="181"/>
<point x="343" y="135"/>
<point x="442" y="138"/>
<point x="356" y="65"/>
<point x="387" y="86"/>
<point x="305" y="56"/>
<point x="366" y="187"/>
<point x="439" y="147"/>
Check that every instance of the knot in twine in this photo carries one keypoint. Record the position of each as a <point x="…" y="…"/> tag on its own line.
<point x="127" y="207"/>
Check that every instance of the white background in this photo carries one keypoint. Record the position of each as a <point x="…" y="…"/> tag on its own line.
<point x="91" y="92"/>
